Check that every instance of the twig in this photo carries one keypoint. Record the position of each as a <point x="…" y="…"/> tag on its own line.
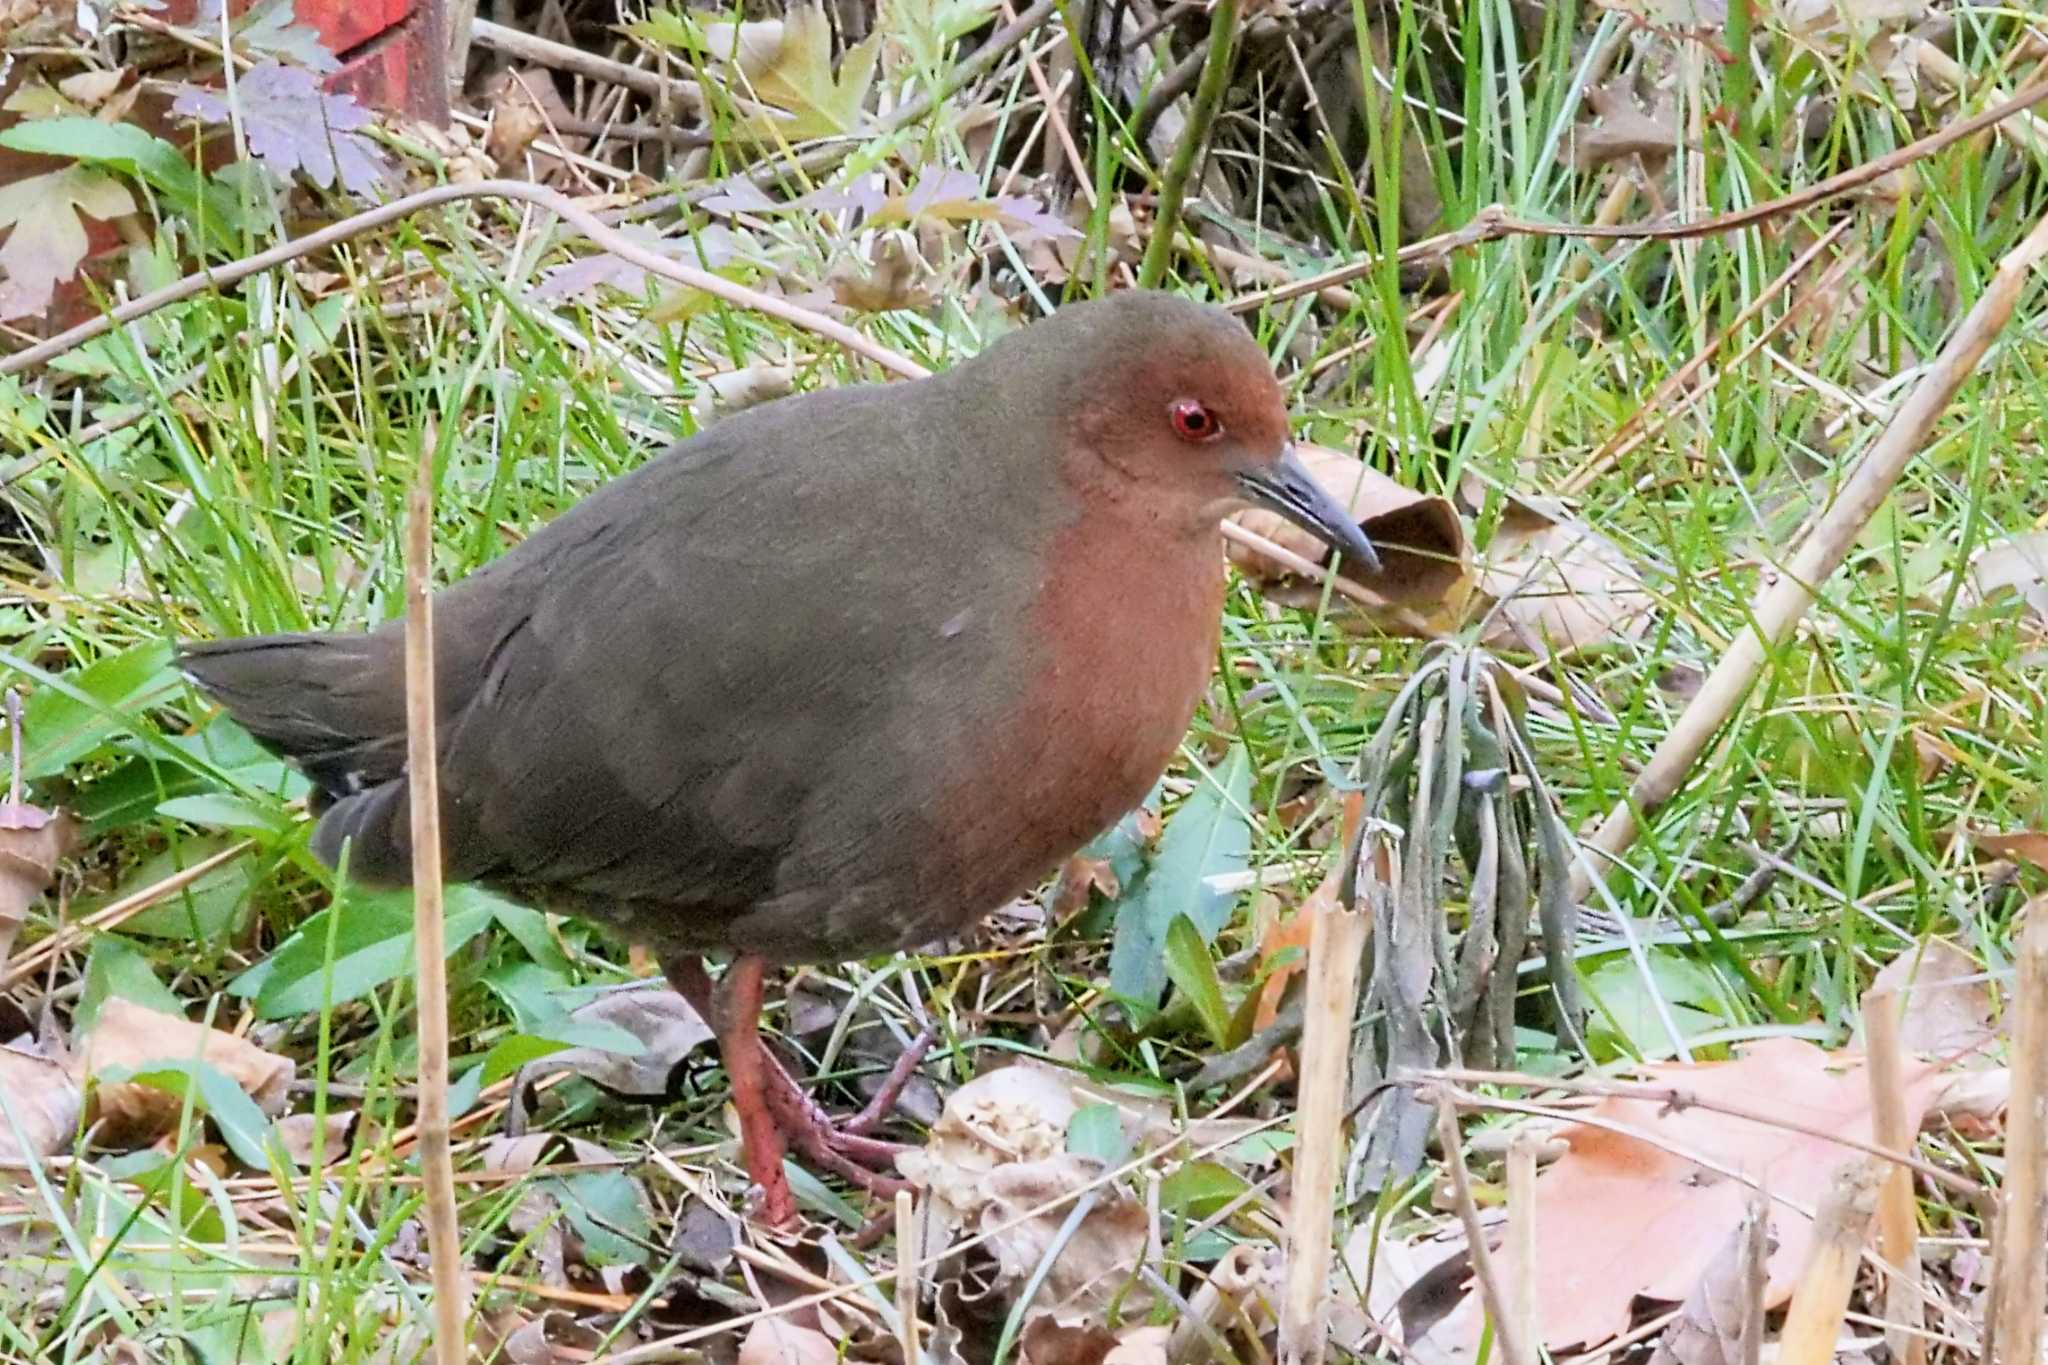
<point x="1781" y="606"/>
<point x="2013" y="1321"/>
<point x="908" y="1253"/>
<point x="1507" y="1331"/>
<point x="1193" y="144"/>
<point x="370" y="219"/>
<point x="1675" y="1099"/>
<point x="430" y="942"/>
<point x="1336" y="943"/>
<point x="1898" y="1230"/>
<point x="1815" y="1317"/>
<point x="562" y="57"/>
<point x="1493" y="222"/>
<point x="30" y="960"/>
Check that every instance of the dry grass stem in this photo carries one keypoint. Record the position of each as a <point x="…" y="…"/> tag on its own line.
<point x="1781" y="606"/>
<point x="1507" y="1329"/>
<point x="1336" y="944"/>
<point x="437" y="1163"/>
<point x="1898" y="1229"/>
<point x="1815" y="1318"/>
<point x="2020" y="1263"/>
<point x="1521" y="1165"/>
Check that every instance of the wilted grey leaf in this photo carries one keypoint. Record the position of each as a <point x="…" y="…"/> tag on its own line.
<point x="292" y="125"/>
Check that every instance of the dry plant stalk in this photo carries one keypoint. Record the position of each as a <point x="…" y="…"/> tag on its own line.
<point x="2021" y="1262"/>
<point x="1515" y="1349"/>
<point x="1781" y="606"/>
<point x="1898" y="1231"/>
<point x="437" y="1163"/>
<point x="909" y="1252"/>
<point x="1522" y="1305"/>
<point x="1839" y="1227"/>
<point x="1336" y="943"/>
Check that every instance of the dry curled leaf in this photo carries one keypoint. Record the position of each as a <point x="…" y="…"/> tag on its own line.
<point x="1047" y="1341"/>
<point x="666" y="1027"/>
<point x="2029" y="846"/>
<point x="1028" y="1207"/>
<point x="1621" y="127"/>
<point x="895" y="277"/>
<point x="135" y="1037"/>
<point x="1424" y="561"/>
<point x="1558" y="584"/>
<point x="2014" y="570"/>
<point x="41" y="1107"/>
<point x="1947" y="1000"/>
<point x="298" y="1134"/>
<point x="32" y="842"/>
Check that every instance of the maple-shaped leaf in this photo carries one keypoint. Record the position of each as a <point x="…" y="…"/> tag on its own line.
<point x="714" y="248"/>
<point x="273" y="28"/>
<point x="47" y="241"/>
<point x="293" y="125"/>
<point x="783" y="67"/>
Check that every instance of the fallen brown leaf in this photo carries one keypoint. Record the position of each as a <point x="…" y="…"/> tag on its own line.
<point x="1622" y="127"/>
<point x="2016" y="567"/>
<point x="1098" y="1262"/>
<point x="1559" y="584"/>
<point x="1620" y="1216"/>
<point x="32" y="843"/>
<point x="133" y="1036"/>
<point x="296" y="1134"/>
<point x="1420" y="538"/>
<point x="1724" y="1307"/>
<point x="1945" y="1010"/>
<point x="777" y="1341"/>
<point x="2029" y="846"/>
<point x="668" y="1031"/>
<point x="43" y="1102"/>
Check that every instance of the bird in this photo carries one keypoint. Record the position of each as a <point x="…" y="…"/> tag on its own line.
<point x="835" y="677"/>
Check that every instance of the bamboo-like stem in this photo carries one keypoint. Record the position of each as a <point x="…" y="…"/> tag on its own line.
<point x="437" y="1163"/>
<point x="1336" y="943"/>
<point x="1194" y="142"/>
<point x="1897" y="1230"/>
<point x="1815" y="1318"/>
<point x="1781" y="606"/>
<point x="2021" y="1263"/>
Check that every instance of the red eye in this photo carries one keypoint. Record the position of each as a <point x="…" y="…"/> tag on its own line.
<point x="1194" y="422"/>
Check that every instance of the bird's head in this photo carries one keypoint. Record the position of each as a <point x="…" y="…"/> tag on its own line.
<point x="1176" y="408"/>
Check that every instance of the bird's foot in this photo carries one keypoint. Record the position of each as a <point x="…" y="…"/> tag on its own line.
<point x="846" y="1148"/>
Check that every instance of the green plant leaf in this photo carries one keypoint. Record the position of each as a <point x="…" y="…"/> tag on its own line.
<point x="70" y="716"/>
<point x="1199" y="1188"/>
<point x="116" y="969"/>
<point x="221" y="811"/>
<point x="1209" y="835"/>
<point x="372" y="945"/>
<point x="242" y="1124"/>
<point x="1193" y="973"/>
<point x="1097" y="1130"/>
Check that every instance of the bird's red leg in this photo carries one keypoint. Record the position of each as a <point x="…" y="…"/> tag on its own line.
<point x="738" y="1010"/>
<point x="844" y="1148"/>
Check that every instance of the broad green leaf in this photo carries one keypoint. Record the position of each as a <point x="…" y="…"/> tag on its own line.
<point x="221" y="811"/>
<point x="609" y="1212"/>
<point x="1209" y="835"/>
<point x="242" y="1125"/>
<point x="1199" y="1188"/>
<point x="509" y="1054"/>
<point x="211" y="909"/>
<point x="69" y="716"/>
<point x="123" y="147"/>
<point x="1097" y="1130"/>
<point x="116" y="969"/>
<point x="1193" y="973"/>
<point x="373" y="944"/>
<point x="1625" y="1018"/>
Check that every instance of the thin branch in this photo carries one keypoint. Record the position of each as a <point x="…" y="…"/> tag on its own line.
<point x="371" y="219"/>
<point x="1507" y="1331"/>
<point x="1782" y="605"/>
<point x="2020" y="1262"/>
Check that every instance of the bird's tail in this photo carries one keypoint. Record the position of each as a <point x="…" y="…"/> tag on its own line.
<point x="332" y="704"/>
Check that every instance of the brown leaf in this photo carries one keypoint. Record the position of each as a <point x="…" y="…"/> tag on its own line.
<point x="2029" y="846"/>
<point x="1098" y="1262"/>
<point x="1723" y="1306"/>
<point x="1420" y="538"/>
<point x="894" y="278"/>
<point x="1945" y="1011"/>
<point x="1045" y="1341"/>
<point x="32" y="843"/>
<point x="295" y="1132"/>
<point x="43" y="1104"/>
<point x="778" y="1341"/>
<point x="48" y="240"/>
<point x="1621" y="127"/>
<point x="136" y="1037"/>
<point x="1618" y="1216"/>
<point x="2015" y="568"/>
<point x="1559" y="584"/>
<point x="668" y="1031"/>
